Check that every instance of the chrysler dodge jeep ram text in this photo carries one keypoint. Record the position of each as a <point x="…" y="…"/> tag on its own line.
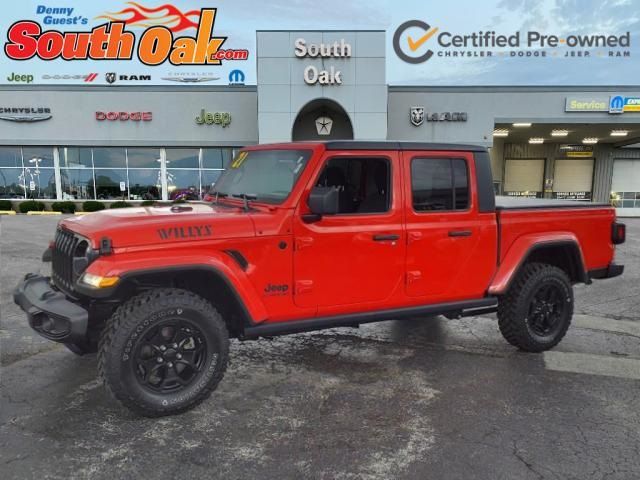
<point x="304" y="236"/>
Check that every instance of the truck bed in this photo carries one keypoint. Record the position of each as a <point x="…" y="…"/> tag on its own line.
<point x="515" y="203"/>
<point x="587" y="223"/>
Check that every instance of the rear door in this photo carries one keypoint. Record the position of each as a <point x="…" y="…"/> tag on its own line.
<point x="573" y="178"/>
<point x="451" y="247"/>
<point x="524" y="177"/>
<point x="357" y="256"/>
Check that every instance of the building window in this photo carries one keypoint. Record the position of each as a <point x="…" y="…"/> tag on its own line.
<point x="77" y="183"/>
<point x="39" y="174"/>
<point x="625" y="199"/>
<point x="214" y="161"/>
<point x="11" y="173"/>
<point x="108" y="183"/>
<point x="76" y="173"/>
<point x="97" y="172"/>
<point x="145" y="184"/>
<point x="183" y="173"/>
<point x="110" y="169"/>
<point x="439" y="184"/>
<point x="144" y="173"/>
<point x="109" y="158"/>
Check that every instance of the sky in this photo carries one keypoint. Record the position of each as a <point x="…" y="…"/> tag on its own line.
<point x="239" y="20"/>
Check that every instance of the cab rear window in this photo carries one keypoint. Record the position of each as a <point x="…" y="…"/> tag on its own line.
<point x="439" y="184"/>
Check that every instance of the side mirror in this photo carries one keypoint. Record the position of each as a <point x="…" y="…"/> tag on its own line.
<point x="323" y="201"/>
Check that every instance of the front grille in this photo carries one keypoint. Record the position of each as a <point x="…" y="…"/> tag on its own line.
<point x="62" y="270"/>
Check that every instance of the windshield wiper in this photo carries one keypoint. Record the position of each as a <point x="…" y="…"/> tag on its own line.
<point x="246" y="197"/>
<point x="220" y="195"/>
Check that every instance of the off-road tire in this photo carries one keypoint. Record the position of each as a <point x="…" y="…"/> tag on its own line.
<point x="513" y="307"/>
<point x="128" y="326"/>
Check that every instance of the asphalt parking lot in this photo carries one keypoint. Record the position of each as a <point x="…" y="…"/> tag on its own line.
<point x="421" y="398"/>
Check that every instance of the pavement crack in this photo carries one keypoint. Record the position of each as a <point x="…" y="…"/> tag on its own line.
<point x="516" y="453"/>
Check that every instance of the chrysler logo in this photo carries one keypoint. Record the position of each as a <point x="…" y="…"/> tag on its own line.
<point x="190" y="79"/>
<point x="25" y="114"/>
<point x="323" y="125"/>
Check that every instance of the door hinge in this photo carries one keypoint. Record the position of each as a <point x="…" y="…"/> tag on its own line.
<point x="303" y="286"/>
<point x="413" y="276"/>
<point x="302" y="242"/>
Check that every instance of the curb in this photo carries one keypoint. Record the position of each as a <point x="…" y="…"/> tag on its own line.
<point x="7" y="212"/>
<point x="44" y="213"/>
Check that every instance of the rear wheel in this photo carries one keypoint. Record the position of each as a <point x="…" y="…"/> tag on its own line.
<point x="163" y="352"/>
<point x="535" y="313"/>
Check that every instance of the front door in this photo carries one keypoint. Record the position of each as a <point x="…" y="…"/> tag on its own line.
<point x="451" y="248"/>
<point x="356" y="256"/>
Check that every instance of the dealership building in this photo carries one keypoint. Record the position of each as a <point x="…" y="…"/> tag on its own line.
<point x="77" y="142"/>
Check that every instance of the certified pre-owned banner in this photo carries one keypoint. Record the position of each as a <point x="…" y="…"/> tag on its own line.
<point x="198" y="42"/>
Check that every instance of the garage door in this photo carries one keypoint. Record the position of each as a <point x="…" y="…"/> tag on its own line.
<point x="625" y="185"/>
<point x="573" y="178"/>
<point x="524" y="178"/>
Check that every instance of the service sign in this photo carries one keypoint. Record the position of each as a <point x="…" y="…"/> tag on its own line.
<point x="197" y="42"/>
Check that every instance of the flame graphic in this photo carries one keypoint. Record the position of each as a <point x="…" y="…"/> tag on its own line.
<point x="139" y="16"/>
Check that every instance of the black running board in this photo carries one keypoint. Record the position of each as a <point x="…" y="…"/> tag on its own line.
<point x="450" y="310"/>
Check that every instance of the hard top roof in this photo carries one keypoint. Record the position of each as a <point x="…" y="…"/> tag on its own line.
<point x="393" y="145"/>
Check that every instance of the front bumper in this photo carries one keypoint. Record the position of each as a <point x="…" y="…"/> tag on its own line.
<point x="49" y="311"/>
<point x="613" y="270"/>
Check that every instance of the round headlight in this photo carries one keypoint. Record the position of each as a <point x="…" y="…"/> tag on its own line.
<point x="81" y="257"/>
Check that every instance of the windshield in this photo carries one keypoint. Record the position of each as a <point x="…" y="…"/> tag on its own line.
<point x="264" y="175"/>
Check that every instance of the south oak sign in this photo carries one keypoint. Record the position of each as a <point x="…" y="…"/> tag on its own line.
<point x="311" y="74"/>
<point x="111" y="41"/>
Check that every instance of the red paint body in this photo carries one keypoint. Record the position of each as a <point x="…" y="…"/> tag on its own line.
<point x="332" y="266"/>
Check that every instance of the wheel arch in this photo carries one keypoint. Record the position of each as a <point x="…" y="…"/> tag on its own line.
<point x="206" y="281"/>
<point x="563" y="252"/>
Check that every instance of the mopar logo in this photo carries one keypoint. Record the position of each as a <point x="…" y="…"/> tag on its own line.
<point x="616" y="104"/>
<point x="236" y="77"/>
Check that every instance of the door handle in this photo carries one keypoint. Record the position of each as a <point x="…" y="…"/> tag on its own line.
<point x="386" y="237"/>
<point x="460" y="233"/>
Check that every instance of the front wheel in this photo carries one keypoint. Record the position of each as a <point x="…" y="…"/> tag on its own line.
<point x="535" y="313"/>
<point x="163" y="352"/>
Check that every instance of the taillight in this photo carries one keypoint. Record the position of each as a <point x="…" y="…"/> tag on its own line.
<point x="618" y="233"/>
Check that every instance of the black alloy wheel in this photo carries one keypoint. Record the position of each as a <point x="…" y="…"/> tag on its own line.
<point x="547" y="309"/>
<point x="169" y="356"/>
<point x="163" y="351"/>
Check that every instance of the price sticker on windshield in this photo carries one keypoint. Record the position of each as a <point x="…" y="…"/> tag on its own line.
<point x="239" y="160"/>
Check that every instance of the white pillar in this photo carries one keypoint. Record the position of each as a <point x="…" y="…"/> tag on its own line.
<point x="56" y="166"/>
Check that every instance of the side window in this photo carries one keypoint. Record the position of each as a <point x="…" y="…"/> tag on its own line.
<point x="364" y="183"/>
<point x="439" y="184"/>
<point x="460" y="184"/>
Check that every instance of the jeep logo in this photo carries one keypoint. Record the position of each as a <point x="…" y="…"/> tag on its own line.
<point x="276" y="289"/>
<point x="16" y="77"/>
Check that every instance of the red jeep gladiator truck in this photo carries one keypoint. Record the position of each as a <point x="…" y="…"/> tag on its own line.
<point x="304" y="236"/>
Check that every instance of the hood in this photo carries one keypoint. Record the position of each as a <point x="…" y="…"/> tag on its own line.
<point x="127" y="227"/>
